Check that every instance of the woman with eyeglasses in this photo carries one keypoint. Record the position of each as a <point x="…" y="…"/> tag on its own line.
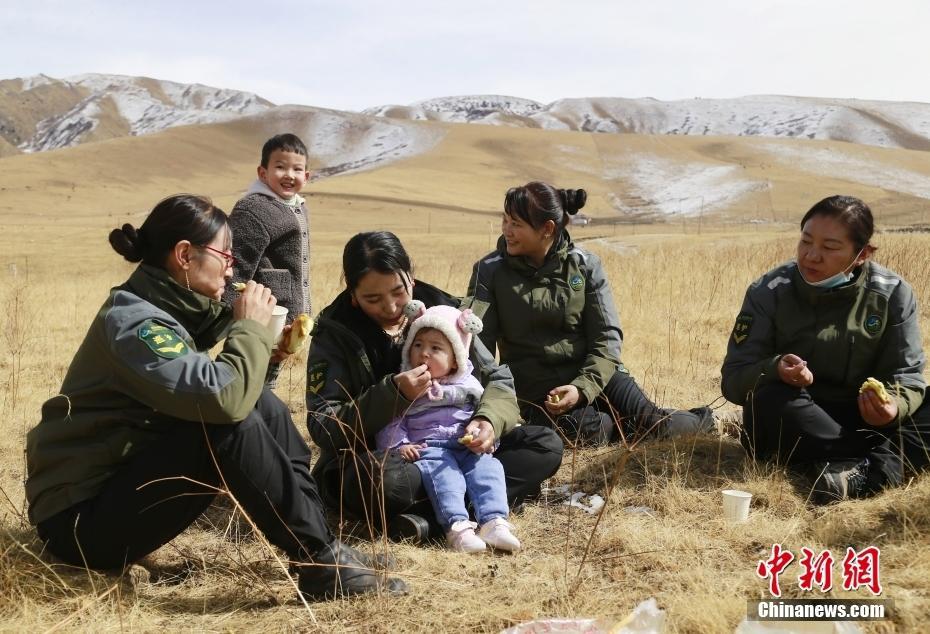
<point x="147" y="428"/>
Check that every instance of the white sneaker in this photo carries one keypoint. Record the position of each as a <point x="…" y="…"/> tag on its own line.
<point x="461" y="537"/>
<point x="497" y="533"/>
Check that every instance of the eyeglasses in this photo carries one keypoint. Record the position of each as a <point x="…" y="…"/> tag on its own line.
<point x="227" y="257"/>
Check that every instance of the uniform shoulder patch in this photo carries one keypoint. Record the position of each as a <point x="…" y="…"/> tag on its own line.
<point x="742" y="327"/>
<point x="873" y="324"/>
<point x="316" y="376"/>
<point x="576" y="282"/>
<point x="162" y="340"/>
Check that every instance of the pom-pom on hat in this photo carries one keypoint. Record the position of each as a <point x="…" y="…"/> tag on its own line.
<point x="457" y="325"/>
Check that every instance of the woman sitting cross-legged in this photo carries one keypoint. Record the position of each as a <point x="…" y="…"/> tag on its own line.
<point x="826" y="359"/>
<point x="547" y="308"/>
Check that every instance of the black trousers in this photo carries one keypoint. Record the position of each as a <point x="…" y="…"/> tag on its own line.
<point x="168" y="484"/>
<point x="621" y="411"/>
<point x="784" y="424"/>
<point x="380" y="485"/>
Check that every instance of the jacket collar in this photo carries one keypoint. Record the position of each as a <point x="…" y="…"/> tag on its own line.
<point x="205" y="319"/>
<point x="258" y="187"/>
<point x="815" y="295"/>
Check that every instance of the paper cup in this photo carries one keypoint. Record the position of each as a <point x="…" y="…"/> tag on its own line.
<point x="736" y="505"/>
<point x="278" y="317"/>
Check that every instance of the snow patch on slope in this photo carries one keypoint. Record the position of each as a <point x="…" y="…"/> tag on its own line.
<point x="35" y="81"/>
<point x="468" y="108"/>
<point x="348" y="146"/>
<point x="674" y="188"/>
<point x="67" y="129"/>
<point x="836" y="164"/>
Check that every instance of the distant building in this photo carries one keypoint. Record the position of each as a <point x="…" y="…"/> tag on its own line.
<point x="580" y="219"/>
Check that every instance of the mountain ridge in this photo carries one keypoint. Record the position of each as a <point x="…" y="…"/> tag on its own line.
<point x="42" y="113"/>
<point x="892" y="124"/>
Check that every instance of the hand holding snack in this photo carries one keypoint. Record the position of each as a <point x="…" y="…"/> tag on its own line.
<point x="295" y="338"/>
<point x="876" y="406"/>
<point x="561" y="399"/>
<point x="876" y="386"/>
<point x="255" y="302"/>
<point x="481" y="433"/>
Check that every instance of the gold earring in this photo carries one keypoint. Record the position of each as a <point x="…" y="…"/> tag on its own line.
<point x="187" y="279"/>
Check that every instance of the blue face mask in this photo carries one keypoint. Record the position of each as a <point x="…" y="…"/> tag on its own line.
<point x="834" y="280"/>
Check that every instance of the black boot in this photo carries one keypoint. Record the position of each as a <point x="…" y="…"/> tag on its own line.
<point x="378" y="561"/>
<point x="408" y="526"/>
<point x="833" y="481"/>
<point x="335" y="571"/>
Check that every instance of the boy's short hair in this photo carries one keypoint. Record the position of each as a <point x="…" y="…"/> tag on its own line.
<point x="287" y="142"/>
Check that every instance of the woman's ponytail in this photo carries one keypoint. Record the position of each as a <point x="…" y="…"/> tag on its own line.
<point x="126" y="241"/>
<point x="572" y="200"/>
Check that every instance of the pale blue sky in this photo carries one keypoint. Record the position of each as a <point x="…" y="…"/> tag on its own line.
<point x="352" y="54"/>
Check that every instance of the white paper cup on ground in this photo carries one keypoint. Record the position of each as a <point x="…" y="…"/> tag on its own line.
<point x="736" y="505"/>
<point x="278" y="317"/>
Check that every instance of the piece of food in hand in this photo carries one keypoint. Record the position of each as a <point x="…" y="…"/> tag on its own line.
<point x="238" y="286"/>
<point x="294" y="340"/>
<point x="554" y="398"/>
<point x="466" y="439"/>
<point x="876" y="386"/>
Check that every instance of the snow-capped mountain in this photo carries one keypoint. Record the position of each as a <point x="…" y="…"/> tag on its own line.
<point x="42" y="113"/>
<point x="880" y="123"/>
<point x="469" y="108"/>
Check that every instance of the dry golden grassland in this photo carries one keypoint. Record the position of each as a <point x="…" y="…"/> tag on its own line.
<point x="678" y="286"/>
<point x="678" y="294"/>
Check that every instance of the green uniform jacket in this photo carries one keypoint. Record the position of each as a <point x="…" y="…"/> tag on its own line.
<point x="137" y="371"/>
<point x="555" y="325"/>
<point x="847" y="334"/>
<point x="347" y="405"/>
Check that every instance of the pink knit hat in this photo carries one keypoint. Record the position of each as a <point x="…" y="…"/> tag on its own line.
<point x="457" y="325"/>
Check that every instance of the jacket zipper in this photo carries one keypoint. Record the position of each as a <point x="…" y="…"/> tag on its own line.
<point x="852" y="343"/>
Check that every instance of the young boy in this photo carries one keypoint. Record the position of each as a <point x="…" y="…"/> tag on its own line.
<point x="430" y="430"/>
<point x="271" y="228"/>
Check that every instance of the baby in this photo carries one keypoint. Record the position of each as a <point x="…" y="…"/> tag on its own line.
<point x="430" y="432"/>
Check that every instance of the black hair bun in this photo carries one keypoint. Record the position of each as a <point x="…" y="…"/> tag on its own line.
<point x="573" y="200"/>
<point x="126" y="241"/>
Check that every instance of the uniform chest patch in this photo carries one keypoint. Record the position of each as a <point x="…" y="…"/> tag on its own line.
<point x="873" y="324"/>
<point x="316" y="376"/>
<point x="829" y="333"/>
<point x="162" y="340"/>
<point x="576" y="282"/>
<point x="742" y="327"/>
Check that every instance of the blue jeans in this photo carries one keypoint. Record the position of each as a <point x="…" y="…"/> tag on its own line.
<point x="450" y="470"/>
